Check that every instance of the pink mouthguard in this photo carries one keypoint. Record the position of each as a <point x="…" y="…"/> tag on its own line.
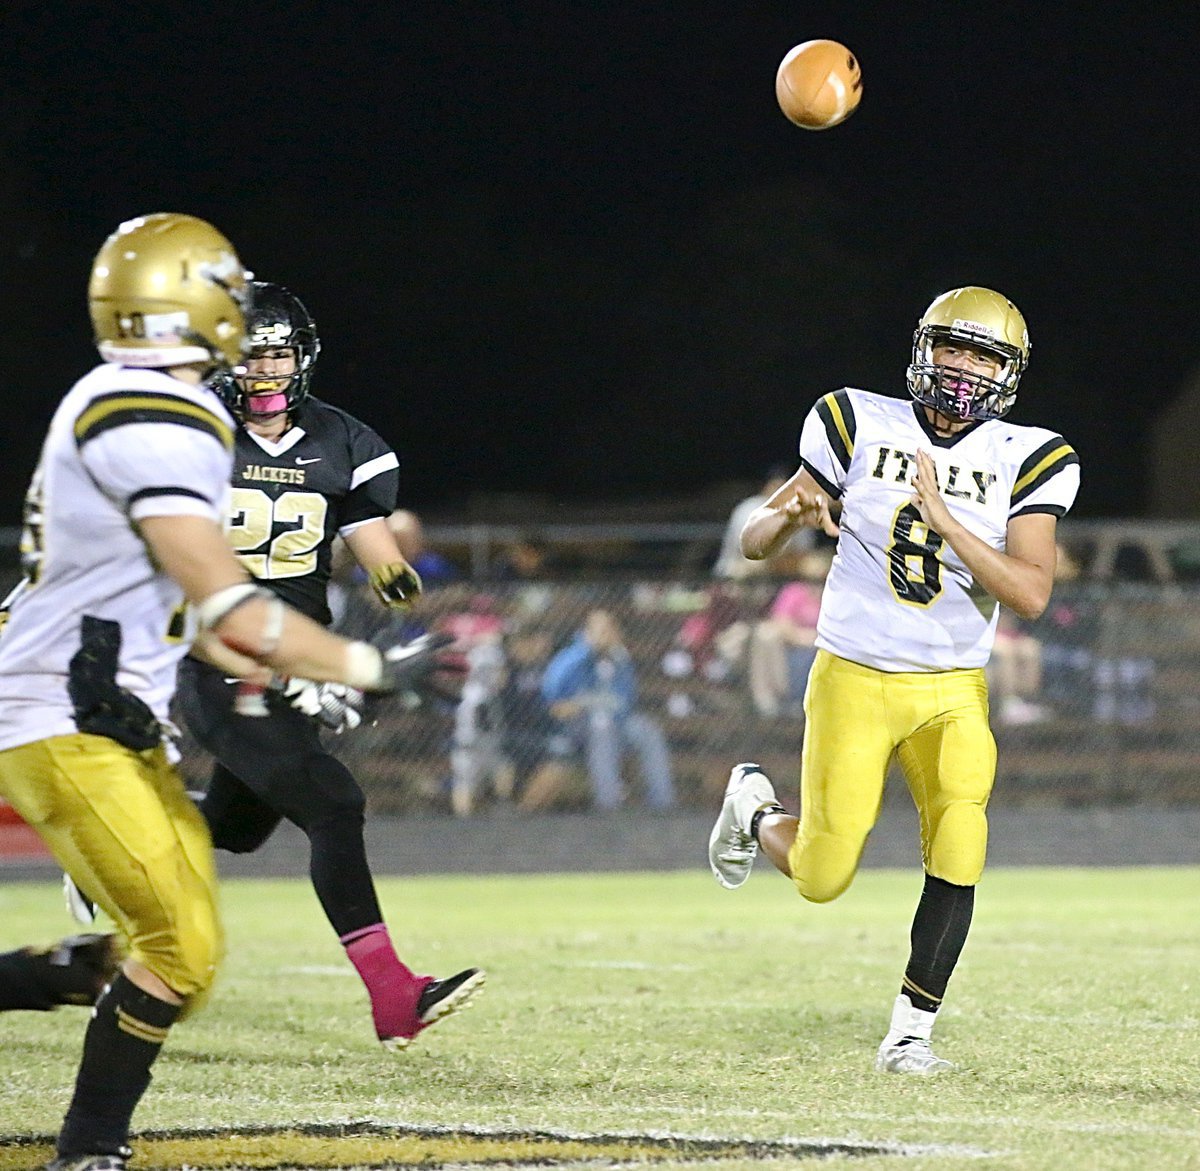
<point x="962" y="392"/>
<point x="266" y="404"/>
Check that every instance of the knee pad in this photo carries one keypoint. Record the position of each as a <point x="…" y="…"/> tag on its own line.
<point x="237" y="827"/>
<point x="185" y="958"/>
<point x="957" y="846"/>
<point x="240" y="839"/>
<point x="824" y="865"/>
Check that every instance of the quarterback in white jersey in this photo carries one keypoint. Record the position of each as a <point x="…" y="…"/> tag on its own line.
<point x="945" y="512"/>
<point x="899" y="598"/>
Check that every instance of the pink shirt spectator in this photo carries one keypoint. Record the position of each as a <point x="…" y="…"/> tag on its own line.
<point x="798" y="603"/>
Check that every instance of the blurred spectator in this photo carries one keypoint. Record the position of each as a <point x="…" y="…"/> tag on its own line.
<point x="410" y="536"/>
<point x="730" y="562"/>
<point x="525" y="558"/>
<point x="1014" y="674"/>
<point x="711" y="645"/>
<point x="477" y="749"/>
<point x="1067" y="634"/>
<point x="783" y="645"/>
<point x="481" y="619"/>
<point x="714" y="639"/>
<point x="591" y="689"/>
<point x="539" y="777"/>
<point x="1039" y="670"/>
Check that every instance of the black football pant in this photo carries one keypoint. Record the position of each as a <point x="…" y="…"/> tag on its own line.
<point x="273" y="767"/>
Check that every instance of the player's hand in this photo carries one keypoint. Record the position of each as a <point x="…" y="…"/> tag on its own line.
<point x="408" y="666"/>
<point x="341" y="707"/>
<point x="810" y="510"/>
<point x="928" y="497"/>
<point x="397" y="584"/>
<point x="335" y="706"/>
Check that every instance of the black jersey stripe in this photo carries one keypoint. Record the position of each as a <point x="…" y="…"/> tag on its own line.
<point x="1042" y="465"/>
<point x="143" y="493"/>
<point x="834" y="491"/>
<point x="131" y="406"/>
<point x="1049" y="509"/>
<point x="837" y="413"/>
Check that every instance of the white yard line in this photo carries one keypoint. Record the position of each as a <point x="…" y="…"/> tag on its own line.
<point x="1003" y="1121"/>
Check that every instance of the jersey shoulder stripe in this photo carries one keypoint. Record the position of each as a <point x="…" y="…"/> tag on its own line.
<point x="149" y="493"/>
<point x="374" y="467"/>
<point x="118" y="408"/>
<point x="1041" y="465"/>
<point x="836" y="412"/>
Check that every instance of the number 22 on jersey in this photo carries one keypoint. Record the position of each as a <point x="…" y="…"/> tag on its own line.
<point x="267" y="553"/>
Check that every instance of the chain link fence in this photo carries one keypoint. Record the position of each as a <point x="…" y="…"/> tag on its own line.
<point x="1097" y="702"/>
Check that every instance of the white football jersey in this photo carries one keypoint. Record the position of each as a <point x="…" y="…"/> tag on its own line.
<point x="124" y="444"/>
<point x="898" y="598"/>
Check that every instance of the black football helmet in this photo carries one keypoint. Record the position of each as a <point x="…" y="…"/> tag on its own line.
<point x="276" y="319"/>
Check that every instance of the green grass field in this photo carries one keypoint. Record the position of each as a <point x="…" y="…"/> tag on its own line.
<point x="651" y="1005"/>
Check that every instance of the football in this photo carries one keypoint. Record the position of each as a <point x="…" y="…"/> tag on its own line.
<point x="818" y="84"/>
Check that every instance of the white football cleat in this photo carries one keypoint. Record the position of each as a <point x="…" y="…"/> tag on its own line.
<point x="731" y="846"/>
<point x="906" y="1048"/>
<point x="79" y="906"/>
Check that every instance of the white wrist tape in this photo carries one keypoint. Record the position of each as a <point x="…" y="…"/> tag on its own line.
<point x="225" y="601"/>
<point x="273" y="627"/>
<point x="364" y="666"/>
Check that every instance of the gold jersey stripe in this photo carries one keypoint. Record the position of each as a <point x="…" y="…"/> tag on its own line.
<point x="113" y="411"/>
<point x="837" y="413"/>
<point x="1059" y="456"/>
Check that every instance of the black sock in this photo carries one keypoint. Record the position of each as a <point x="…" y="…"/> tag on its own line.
<point x="341" y="874"/>
<point x="760" y="814"/>
<point x="127" y="1030"/>
<point x="939" y="930"/>
<point x="21" y="984"/>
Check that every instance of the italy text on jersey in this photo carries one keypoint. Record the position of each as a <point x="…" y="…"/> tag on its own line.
<point x="897" y="597"/>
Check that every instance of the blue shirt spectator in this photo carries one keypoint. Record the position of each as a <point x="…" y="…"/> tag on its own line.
<point x="590" y="687"/>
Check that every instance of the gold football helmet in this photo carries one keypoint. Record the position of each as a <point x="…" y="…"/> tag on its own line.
<point x="168" y="290"/>
<point x="977" y="317"/>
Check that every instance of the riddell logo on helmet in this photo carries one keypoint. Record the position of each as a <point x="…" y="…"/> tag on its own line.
<point x="973" y="327"/>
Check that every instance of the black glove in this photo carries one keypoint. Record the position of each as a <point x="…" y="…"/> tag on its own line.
<point x="397" y="584"/>
<point x="409" y="665"/>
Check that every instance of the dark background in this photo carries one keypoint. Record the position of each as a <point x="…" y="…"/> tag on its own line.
<point x="575" y="249"/>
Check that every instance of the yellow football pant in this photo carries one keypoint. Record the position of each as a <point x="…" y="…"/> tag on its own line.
<point x="857" y="719"/>
<point x="121" y="824"/>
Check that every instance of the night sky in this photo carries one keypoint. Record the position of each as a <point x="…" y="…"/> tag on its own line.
<point x="575" y="249"/>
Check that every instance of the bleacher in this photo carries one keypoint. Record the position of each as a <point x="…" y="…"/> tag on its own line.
<point x="1119" y="712"/>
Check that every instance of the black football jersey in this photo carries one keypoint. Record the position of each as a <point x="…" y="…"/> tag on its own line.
<point x="327" y="475"/>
